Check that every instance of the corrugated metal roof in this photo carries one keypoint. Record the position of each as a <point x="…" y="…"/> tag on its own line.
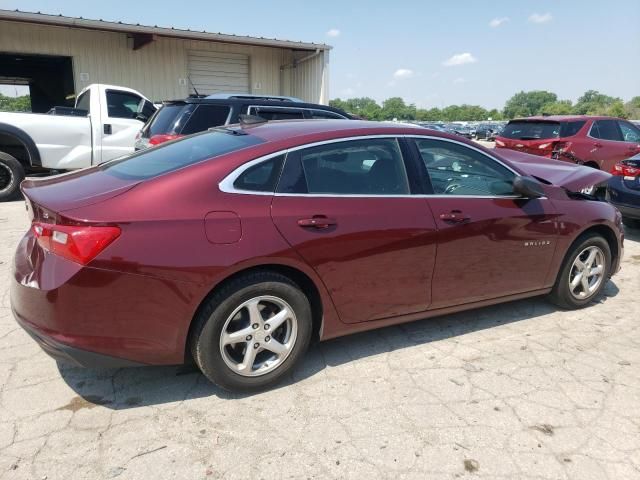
<point x="79" y="22"/>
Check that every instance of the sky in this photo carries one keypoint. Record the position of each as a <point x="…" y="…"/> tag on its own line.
<point x="431" y="53"/>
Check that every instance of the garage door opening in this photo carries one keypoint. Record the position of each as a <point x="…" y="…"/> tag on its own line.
<point x="47" y="81"/>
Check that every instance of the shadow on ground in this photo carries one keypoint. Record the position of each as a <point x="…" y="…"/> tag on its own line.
<point x="133" y="387"/>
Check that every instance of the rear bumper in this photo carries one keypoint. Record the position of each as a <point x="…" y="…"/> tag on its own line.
<point x="628" y="211"/>
<point x="91" y="316"/>
<point x="71" y="355"/>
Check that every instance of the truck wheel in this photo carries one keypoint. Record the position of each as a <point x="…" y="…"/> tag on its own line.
<point x="11" y="174"/>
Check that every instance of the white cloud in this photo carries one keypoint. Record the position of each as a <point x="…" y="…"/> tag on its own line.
<point x="459" y="59"/>
<point x="403" y="73"/>
<point x="459" y="80"/>
<point x="496" y="22"/>
<point x="347" y="91"/>
<point x="334" y="32"/>
<point x="540" y="17"/>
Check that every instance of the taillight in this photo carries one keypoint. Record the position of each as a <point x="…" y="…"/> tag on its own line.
<point x="499" y="143"/>
<point x="624" y="169"/>
<point x="158" y="139"/>
<point x="77" y="243"/>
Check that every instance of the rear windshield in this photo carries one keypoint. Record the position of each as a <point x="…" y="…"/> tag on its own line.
<point x="172" y="156"/>
<point x="539" y="130"/>
<point x="163" y="122"/>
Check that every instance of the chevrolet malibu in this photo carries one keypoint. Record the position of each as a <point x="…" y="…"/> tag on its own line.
<point x="236" y="247"/>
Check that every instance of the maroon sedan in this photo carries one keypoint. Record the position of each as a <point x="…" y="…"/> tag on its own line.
<point x="235" y="247"/>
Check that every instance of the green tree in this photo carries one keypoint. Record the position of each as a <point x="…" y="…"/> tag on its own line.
<point x="525" y="104"/>
<point x="632" y="108"/>
<point x="494" y="114"/>
<point x="560" y="107"/>
<point x="364" y="107"/>
<point x="395" y="107"/>
<point x="593" y="102"/>
<point x="616" y="109"/>
<point x="15" y="104"/>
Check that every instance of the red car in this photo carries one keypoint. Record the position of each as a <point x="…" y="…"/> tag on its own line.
<point x="237" y="246"/>
<point x="598" y="142"/>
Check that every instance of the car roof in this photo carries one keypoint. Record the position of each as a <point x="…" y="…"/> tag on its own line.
<point x="562" y="118"/>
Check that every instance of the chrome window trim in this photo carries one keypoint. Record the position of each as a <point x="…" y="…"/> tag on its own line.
<point x="226" y="185"/>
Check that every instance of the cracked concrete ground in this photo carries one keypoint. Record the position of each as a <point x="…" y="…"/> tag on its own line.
<point x="520" y="390"/>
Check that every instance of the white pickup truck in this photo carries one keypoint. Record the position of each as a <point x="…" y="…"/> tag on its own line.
<point x="102" y="126"/>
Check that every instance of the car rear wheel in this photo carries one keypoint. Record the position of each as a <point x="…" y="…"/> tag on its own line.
<point x="252" y="332"/>
<point x="583" y="274"/>
<point x="11" y="174"/>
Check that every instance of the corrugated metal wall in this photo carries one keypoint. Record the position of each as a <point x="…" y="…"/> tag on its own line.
<point x="310" y="78"/>
<point x="159" y="69"/>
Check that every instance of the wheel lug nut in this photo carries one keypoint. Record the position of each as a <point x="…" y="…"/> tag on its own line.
<point x="266" y="326"/>
<point x="249" y="337"/>
<point x="255" y="325"/>
<point x="256" y="345"/>
<point x="266" y="339"/>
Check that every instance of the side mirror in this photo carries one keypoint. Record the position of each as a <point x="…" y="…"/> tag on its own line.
<point x="528" y="187"/>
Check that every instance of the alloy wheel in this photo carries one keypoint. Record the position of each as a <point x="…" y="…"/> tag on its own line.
<point x="258" y="336"/>
<point x="587" y="273"/>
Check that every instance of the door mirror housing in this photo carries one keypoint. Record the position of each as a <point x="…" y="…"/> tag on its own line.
<point x="528" y="187"/>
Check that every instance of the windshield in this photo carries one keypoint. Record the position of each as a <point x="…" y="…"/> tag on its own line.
<point x="175" y="155"/>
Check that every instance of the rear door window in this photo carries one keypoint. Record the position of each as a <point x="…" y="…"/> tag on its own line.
<point x="355" y="167"/>
<point x="205" y="117"/>
<point x="531" y="130"/>
<point x="324" y="114"/>
<point x="270" y="113"/>
<point x="166" y="120"/>
<point x="606" y="130"/>
<point x="172" y="156"/>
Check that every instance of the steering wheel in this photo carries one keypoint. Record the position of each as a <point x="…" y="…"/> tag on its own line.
<point x="452" y="188"/>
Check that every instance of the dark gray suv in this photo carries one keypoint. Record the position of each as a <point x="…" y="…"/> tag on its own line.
<point x="177" y="118"/>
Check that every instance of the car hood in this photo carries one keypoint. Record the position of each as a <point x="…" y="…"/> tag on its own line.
<point x="571" y="176"/>
<point x="76" y="189"/>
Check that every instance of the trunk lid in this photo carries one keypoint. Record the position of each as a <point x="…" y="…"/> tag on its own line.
<point x="571" y="176"/>
<point x="73" y="190"/>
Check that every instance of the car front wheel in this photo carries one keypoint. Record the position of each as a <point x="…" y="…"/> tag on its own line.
<point x="583" y="274"/>
<point x="252" y="332"/>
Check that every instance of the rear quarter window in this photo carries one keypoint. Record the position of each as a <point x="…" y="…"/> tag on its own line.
<point x="569" y="129"/>
<point x="172" y="156"/>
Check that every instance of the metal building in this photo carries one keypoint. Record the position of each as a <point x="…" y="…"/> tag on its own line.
<point x="57" y="56"/>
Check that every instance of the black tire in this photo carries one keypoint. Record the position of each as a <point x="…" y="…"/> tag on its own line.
<point x="210" y="320"/>
<point x="561" y="294"/>
<point x="631" y="222"/>
<point x="11" y="175"/>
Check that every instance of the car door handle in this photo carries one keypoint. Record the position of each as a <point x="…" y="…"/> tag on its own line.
<point x="107" y="129"/>
<point x="455" y="216"/>
<point x="597" y="145"/>
<point x="317" y="221"/>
